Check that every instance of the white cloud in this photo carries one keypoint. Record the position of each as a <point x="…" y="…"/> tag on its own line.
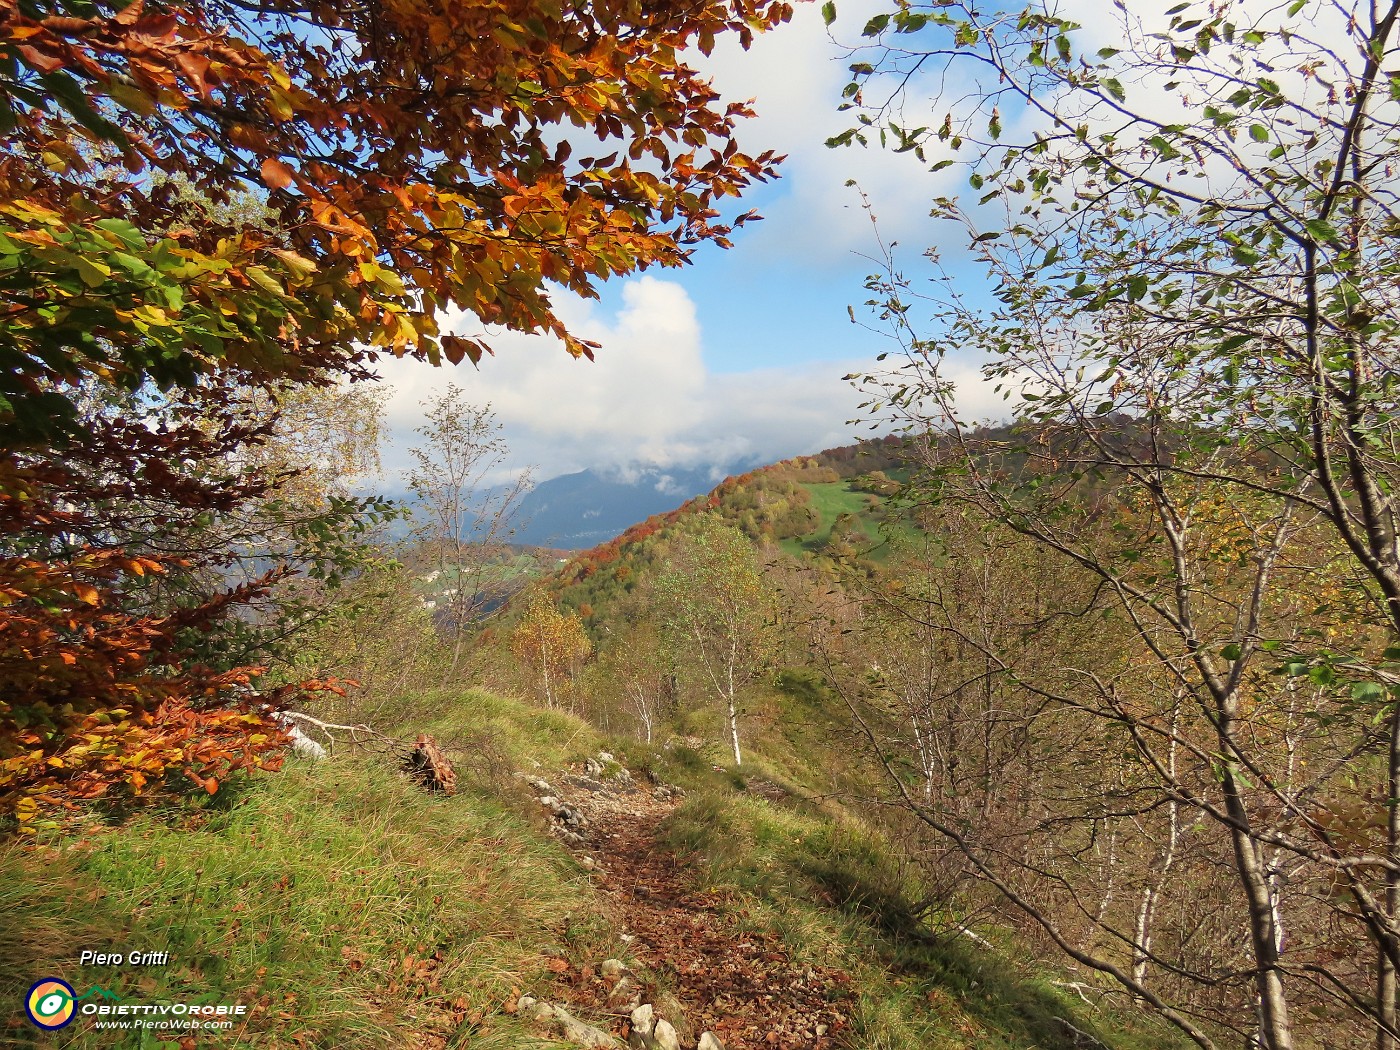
<point x="796" y="74"/>
<point x="648" y="400"/>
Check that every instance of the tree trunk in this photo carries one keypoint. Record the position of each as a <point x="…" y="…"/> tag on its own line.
<point x="457" y="651"/>
<point x="1275" y="1031"/>
<point x="1142" y="931"/>
<point x="733" y="703"/>
<point x="1385" y="967"/>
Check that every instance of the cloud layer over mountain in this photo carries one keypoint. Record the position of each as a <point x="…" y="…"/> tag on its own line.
<point x="648" y="399"/>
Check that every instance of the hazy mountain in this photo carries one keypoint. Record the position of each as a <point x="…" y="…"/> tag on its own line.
<point x="575" y="511"/>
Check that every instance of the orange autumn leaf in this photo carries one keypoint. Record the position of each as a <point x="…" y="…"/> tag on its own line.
<point x="276" y="174"/>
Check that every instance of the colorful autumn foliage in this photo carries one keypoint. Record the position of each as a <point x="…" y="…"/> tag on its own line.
<point x="551" y="645"/>
<point x="404" y="160"/>
<point x="729" y="497"/>
<point x="409" y="161"/>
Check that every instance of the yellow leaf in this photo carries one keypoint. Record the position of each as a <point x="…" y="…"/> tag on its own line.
<point x="298" y="264"/>
<point x="92" y="273"/>
<point x="279" y="104"/>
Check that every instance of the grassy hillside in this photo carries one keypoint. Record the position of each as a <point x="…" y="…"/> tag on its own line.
<point x="835" y="503"/>
<point x="349" y="908"/>
<point x="832" y="893"/>
<point x="798" y="861"/>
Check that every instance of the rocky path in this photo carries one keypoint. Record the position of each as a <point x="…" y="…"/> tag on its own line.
<point x="696" y="959"/>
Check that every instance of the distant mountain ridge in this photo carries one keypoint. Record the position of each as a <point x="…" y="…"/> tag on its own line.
<point x="578" y="511"/>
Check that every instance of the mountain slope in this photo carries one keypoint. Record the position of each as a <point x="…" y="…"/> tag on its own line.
<point x="575" y="511"/>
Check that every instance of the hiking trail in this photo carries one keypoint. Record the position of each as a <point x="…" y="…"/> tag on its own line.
<point x="699" y="958"/>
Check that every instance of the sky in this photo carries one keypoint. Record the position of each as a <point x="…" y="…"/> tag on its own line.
<point x="739" y="357"/>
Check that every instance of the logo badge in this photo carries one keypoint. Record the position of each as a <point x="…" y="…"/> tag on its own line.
<point x="50" y="1003"/>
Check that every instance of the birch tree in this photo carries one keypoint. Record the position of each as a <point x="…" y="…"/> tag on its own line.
<point x="551" y="645"/>
<point x="1191" y="236"/>
<point x="462" y="519"/>
<point x="715" y="611"/>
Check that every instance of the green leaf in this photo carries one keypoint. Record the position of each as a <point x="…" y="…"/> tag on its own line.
<point x="828" y="12"/>
<point x="876" y="25"/>
<point x="1367" y="692"/>
<point x="1231" y="652"/>
<point x="1259" y="133"/>
<point x="75" y="101"/>
<point x="134" y="266"/>
<point x="1321" y="230"/>
<point x="92" y="273"/>
<point x="124" y="231"/>
<point x="264" y="280"/>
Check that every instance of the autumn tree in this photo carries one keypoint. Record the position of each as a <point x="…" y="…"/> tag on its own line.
<point x="714" y="608"/>
<point x="114" y="674"/>
<point x="1196" y="308"/>
<point x="551" y="645"/>
<point x="408" y="163"/>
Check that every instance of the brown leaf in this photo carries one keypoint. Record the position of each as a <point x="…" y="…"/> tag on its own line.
<point x="38" y="60"/>
<point x="196" y="70"/>
<point x="157" y="27"/>
<point x="131" y="13"/>
<point x="64" y="24"/>
<point x="456" y="349"/>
